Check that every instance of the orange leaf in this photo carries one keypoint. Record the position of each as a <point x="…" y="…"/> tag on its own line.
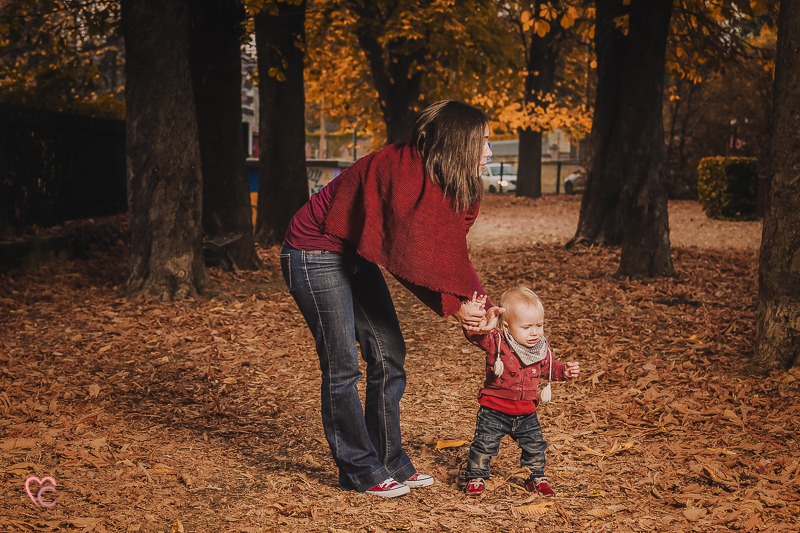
<point x="450" y="444"/>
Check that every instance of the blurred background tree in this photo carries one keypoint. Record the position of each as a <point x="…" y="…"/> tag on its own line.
<point x="62" y="56"/>
<point x="375" y="64"/>
<point x="718" y="91"/>
<point x="555" y="62"/>
<point x="280" y="28"/>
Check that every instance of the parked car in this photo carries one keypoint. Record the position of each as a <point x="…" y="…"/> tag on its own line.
<point x="575" y="182"/>
<point x="499" y="177"/>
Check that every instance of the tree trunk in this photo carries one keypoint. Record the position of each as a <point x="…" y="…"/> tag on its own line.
<point x="541" y="66"/>
<point x="164" y="178"/>
<point x="283" y="181"/>
<point x="392" y="65"/>
<point x="778" y="317"/>
<point x="217" y="28"/>
<point x="625" y="201"/>
<point x="529" y="173"/>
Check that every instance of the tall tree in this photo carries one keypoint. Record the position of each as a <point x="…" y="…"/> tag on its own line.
<point x="217" y="27"/>
<point x="396" y="56"/>
<point x="283" y="180"/>
<point x="392" y="63"/>
<point x="556" y="67"/>
<point x="625" y="201"/>
<point x="540" y="60"/>
<point x="164" y="176"/>
<point x="778" y="317"/>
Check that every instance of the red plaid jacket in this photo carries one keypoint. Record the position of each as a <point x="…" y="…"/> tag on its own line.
<point x="518" y="380"/>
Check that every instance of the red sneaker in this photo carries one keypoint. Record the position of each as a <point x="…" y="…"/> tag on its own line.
<point x="539" y="484"/>
<point x="475" y="487"/>
<point x="419" y="480"/>
<point x="389" y="488"/>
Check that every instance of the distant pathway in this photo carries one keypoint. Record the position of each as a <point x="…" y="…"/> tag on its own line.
<point x="508" y="221"/>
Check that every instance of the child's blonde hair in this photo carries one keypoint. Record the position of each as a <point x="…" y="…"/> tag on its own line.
<point x="512" y="298"/>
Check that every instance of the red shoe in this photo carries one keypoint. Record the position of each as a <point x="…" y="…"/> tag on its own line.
<point x="389" y="488"/>
<point x="539" y="484"/>
<point x="419" y="480"/>
<point x="475" y="487"/>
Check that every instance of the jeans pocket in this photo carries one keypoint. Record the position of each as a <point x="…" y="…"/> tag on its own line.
<point x="286" y="268"/>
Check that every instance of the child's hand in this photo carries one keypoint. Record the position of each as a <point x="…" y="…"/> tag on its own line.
<point x="572" y="369"/>
<point x="489" y="321"/>
<point x="477" y="303"/>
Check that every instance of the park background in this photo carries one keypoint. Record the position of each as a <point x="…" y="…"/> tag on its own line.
<point x="163" y="393"/>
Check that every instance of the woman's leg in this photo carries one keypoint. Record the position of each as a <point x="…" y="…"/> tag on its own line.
<point x="384" y="350"/>
<point x="320" y="283"/>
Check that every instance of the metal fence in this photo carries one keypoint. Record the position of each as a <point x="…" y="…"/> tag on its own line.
<point x="56" y="167"/>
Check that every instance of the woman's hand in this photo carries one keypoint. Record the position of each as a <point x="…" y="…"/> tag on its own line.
<point x="472" y="312"/>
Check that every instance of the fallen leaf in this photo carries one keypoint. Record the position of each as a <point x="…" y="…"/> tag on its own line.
<point x="450" y="444"/>
<point x="693" y="514"/>
<point x="534" y="510"/>
<point x="732" y="416"/>
<point x="600" y="512"/>
<point x="619" y="448"/>
<point x="86" y="523"/>
<point x="18" y="469"/>
<point x="11" y="444"/>
<point x="591" y="451"/>
<point x="716" y="475"/>
<point x="428" y="440"/>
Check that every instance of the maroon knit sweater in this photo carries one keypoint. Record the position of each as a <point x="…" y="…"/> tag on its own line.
<point x="388" y="207"/>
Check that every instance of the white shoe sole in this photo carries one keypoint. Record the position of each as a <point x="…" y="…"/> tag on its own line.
<point x="423" y="480"/>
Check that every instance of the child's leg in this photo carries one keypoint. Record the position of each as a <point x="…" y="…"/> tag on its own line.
<point x="528" y="434"/>
<point x="490" y="429"/>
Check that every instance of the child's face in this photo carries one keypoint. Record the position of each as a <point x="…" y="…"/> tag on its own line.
<point x="526" y="324"/>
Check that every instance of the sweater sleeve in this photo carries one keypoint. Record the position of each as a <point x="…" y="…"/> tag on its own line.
<point x="471" y="215"/>
<point x="443" y="304"/>
<point x="486" y="342"/>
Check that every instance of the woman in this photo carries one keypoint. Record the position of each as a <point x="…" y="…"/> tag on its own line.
<point x="407" y="208"/>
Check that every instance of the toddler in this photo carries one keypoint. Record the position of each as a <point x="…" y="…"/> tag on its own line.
<point x="517" y="355"/>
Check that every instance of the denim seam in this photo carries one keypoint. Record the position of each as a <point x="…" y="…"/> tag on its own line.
<point x="383" y="383"/>
<point x="289" y="269"/>
<point x="324" y="341"/>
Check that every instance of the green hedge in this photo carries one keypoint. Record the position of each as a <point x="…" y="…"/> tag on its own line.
<point x="726" y="187"/>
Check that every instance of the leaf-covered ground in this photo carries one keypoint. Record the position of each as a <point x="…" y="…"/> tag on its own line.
<point x="203" y="416"/>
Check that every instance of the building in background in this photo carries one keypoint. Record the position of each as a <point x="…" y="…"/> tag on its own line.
<point x="560" y="158"/>
<point x="249" y="100"/>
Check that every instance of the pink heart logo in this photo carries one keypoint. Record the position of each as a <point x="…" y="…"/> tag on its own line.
<point x="38" y="499"/>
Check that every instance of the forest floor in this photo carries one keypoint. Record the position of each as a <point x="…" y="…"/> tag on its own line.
<point x="203" y="416"/>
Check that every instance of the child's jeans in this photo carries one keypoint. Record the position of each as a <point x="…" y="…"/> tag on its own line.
<point x="490" y="429"/>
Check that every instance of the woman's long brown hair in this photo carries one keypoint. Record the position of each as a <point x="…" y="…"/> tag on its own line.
<point x="450" y="135"/>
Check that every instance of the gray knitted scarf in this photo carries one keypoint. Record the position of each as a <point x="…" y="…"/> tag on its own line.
<point x="531" y="355"/>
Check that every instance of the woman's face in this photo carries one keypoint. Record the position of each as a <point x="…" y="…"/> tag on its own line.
<point x="486" y="153"/>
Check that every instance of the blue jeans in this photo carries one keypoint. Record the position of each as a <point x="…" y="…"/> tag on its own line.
<point x="490" y="429"/>
<point x="344" y="299"/>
